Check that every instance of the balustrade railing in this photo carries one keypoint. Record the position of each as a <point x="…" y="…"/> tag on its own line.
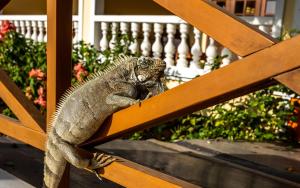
<point x="35" y="26"/>
<point x="187" y="51"/>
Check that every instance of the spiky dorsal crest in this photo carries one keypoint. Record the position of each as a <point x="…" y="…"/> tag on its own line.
<point x="118" y="61"/>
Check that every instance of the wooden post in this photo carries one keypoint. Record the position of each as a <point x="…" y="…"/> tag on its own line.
<point x="59" y="49"/>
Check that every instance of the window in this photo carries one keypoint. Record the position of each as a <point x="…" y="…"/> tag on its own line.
<point x="248" y="7"/>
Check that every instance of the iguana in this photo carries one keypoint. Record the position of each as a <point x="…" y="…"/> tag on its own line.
<point x="85" y="106"/>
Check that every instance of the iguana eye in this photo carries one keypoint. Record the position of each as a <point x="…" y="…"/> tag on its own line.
<point x="143" y="62"/>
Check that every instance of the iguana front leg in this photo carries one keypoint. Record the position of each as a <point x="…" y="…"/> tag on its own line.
<point x="117" y="100"/>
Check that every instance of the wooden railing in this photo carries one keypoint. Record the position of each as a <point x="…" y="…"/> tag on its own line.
<point x="264" y="62"/>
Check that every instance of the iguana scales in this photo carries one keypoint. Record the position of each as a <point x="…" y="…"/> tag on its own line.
<point x="85" y="106"/>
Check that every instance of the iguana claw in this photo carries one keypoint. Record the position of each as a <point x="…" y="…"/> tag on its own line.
<point x="99" y="160"/>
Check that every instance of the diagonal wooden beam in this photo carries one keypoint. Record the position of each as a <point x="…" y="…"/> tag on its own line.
<point x="290" y="79"/>
<point x="15" y="129"/>
<point x="15" y="99"/>
<point x="239" y="78"/>
<point x="239" y="36"/>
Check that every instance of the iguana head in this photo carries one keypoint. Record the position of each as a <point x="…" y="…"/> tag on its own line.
<point x="147" y="73"/>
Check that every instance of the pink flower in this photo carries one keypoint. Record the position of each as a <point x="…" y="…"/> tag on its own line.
<point x="40" y="101"/>
<point x="80" y="71"/>
<point x="78" y="67"/>
<point x="36" y="73"/>
<point x="6" y="27"/>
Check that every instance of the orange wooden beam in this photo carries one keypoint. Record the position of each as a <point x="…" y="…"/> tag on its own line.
<point x="123" y="172"/>
<point x="15" y="129"/>
<point x="129" y="174"/>
<point x="291" y="80"/>
<point x="241" y="77"/>
<point x="24" y="109"/>
<point x="229" y="30"/>
<point x="59" y="51"/>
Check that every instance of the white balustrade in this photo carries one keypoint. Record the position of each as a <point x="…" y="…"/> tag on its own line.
<point x="34" y="34"/>
<point x="227" y="57"/>
<point x="183" y="48"/>
<point x="114" y="31"/>
<point x="134" y="46"/>
<point x="22" y="25"/>
<point x="146" y="44"/>
<point x="40" y="37"/>
<point x="157" y="46"/>
<point x="124" y="27"/>
<point x="263" y="28"/>
<point x="170" y="46"/>
<point x="177" y="38"/>
<point x="35" y="26"/>
<point x="75" y="32"/>
<point x="46" y="37"/>
<point x="28" y="29"/>
<point x="17" y="25"/>
<point x="211" y="54"/>
<point x="196" y="51"/>
<point x="104" y="40"/>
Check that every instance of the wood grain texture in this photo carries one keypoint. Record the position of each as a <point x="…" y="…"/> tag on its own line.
<point x="16" y="130"/>
<point x="229" y="30"/>
<point x="24" y="109"/>
<point x="241" y="77"/>
<point x="291" y="80"/>
<point x="59" y="53"/>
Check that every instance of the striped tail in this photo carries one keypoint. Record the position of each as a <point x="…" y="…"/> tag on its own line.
<point x="54" y="165"/>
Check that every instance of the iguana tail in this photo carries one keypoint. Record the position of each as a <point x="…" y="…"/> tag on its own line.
<point x="54" y="164"/>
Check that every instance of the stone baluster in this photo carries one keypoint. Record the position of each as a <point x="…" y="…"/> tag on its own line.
<point x="211" y="54"/>
<point x="170" y="46"/>
<point x="34" y="31"/>
<point x="134" y="46"/>
<point x="183" y="48"/>
<point x="226" y="60"/>
<point x="157" y="46"/>
<point x="45" y="37"/>
<point x="124" y="27"/>
<point x="17" y="25"/>
<point x="40" y="37"/>
<point x="263" y="28"/>
<point x="196" y="51"/>
<point x="23" y="28"/>
<point x="75" y="32"/>
<point x="114" y="32"/>
<point x="275" y="31"/>
<point x="104" y="40"/>
<point x="146" y="44"/>
<point x="28" y="29"/>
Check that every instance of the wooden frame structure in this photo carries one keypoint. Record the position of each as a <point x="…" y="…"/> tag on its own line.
<point x="241" y="77"/>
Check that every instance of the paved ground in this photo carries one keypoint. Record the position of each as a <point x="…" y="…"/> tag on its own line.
<point x="9" y="181"/>
<point x="205" y="163"/>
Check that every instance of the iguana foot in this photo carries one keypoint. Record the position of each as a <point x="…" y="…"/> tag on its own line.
<point x="100" y="160"/>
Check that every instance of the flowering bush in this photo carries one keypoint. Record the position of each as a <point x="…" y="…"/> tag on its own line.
<point x="25" y="62"/>
<point x="6" y="27"/>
